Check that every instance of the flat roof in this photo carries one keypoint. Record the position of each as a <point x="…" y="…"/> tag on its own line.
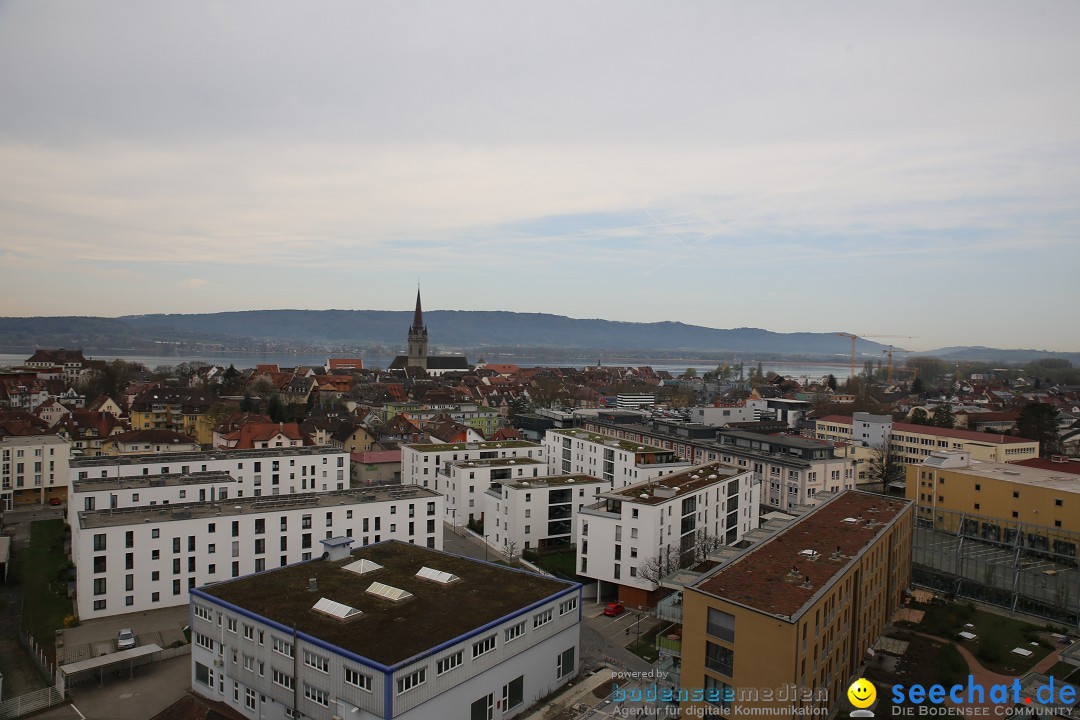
<point x="762" y="578"/>
<point x="135" y="482"/>
<point x="542" y="482"/>
<point x="443" y="447"/>
<point x="610" y="441"/>
<point x="488" y="462"/>
<point x="388" y="632"/>
<point x="215" y="454"/>
<point x="794" y="441"/>
<point x="234" y="507"/>
<point x="970" y="435"/>
<point x="1059" y="478"/>
<point x="683" y="483"/>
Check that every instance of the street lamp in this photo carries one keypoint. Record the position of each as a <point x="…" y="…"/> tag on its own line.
<point x="485" y="548"/>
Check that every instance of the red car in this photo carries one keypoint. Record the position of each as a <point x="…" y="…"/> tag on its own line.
<point x="55" y="501"/>
<point x="614" y="608"/>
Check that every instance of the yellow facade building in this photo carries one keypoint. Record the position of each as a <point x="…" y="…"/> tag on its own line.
<point x="997" y="496"/>
<point x="785" y="624"/>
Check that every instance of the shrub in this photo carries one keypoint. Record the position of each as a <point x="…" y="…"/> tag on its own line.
<point x="71" y="621"/>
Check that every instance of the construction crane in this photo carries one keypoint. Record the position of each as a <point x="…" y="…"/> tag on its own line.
<point x="864" y="337"/>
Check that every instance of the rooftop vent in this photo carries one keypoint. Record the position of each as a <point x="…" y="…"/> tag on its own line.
<point x="794" y="571"/>
<point x="388" y="592"/>
<point x="836" y="553"/>
<point x="335" y="609"/>
<point x="806" y="583"/>
<point x="363" y="567"/>
<point x="851" y="520"/>
<point x="810" y="554"/>
<point x="313" y="585"/>
<point x="443" y="578"/>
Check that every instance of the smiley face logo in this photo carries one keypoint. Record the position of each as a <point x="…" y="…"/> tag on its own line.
<point x="862" y="693"/>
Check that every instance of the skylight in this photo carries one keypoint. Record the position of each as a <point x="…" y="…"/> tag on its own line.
<point x="388" y="592"/>
<point x="363" y="567"/>
<point x="438" y="576"/>
<point x="334" y="609"/>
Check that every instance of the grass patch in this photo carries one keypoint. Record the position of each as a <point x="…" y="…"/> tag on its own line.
<point x="1062" y="671"/>
<point x="645" y="648"/>
<point x="562" y="564"/>
<point x="42" y="570"/>
<point x="926" y="662"/>
<point x="997" y="636"/>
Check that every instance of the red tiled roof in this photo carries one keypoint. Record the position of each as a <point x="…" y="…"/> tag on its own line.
<point x="346" y="364"/>
<point x="1069" y="466"/>
<point x="372" y="457"/>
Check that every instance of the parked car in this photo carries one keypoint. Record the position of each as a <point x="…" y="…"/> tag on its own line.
<point x="55" y="501"/>
<point x="125" y="639"/>
<point x="614" y="608"/>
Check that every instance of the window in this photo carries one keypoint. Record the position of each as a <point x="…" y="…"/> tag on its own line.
<point x="285" y="681"/>
<point x="358" y="679"/>
<point x="414" y="679"/>
<point x="514" y="632"/>
<point x="319" y="662"/>
<point x="542" y="618"/>
<point x="204" y="641"/>
<point x="249" y="632"/>
<point x="1057" y="502"/>
<point x="719" y="659"/>
<point x="721" y="625"/>
<point x="317" y="696"/>
<point x="155" y="533"/>
<point x="564" y="665"/>
<point x="230" y="624"/>
<point x="202" y="612"/>
<point x="483" y="647"/>
<point x="514" y="693"/>
<point x="99" y="542"/>
<point x="448" y="663"/>
<point x="282" y="647"/>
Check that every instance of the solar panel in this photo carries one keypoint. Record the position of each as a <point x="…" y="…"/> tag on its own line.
<point x="362" y="567"/>
<point x="335" y="609"/>
<point x="389" y="592"/>
<point x="438" y="576"/>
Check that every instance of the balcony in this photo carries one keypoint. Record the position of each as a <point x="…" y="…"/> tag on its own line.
<point x="670" y="608"/>
<point x="669" y="640"/>
<point x="670" y="667"/>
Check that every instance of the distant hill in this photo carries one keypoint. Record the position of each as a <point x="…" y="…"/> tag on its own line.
<point x="449" y="330"/>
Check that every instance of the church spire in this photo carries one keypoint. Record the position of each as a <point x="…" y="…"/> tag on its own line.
<point x="418" y="316"/>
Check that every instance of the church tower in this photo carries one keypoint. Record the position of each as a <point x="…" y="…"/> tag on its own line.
<point x="418" y="337"/>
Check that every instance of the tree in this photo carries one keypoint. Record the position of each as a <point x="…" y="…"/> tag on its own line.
<point x="247" y="404"/>
<point x="510" y="551"/>
<point x="659" y="566"/>
<point x="705" y="545"/>
<point x="885" y="466"/>
<point x="831" y="382"/>
<point x="918" y="387"/>
<point x="276" y="408"/>
<point x="1039" y="421"/>
<point x="919" y="417"/>
<point x="943" y="417"/>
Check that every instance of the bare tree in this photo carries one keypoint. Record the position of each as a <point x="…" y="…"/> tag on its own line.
<point x="659" y="566"/>
<point x="885" y="466"/>
<point x="705" y="544"/>
<point x="510" y="551"/>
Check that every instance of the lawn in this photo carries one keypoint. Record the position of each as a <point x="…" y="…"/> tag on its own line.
<point x="645" y="648"/>
<point x="42" y="572"/>
<point x="997" y="636"/>
<point x="563" y="564"/>
<point x="1062" y="671"/>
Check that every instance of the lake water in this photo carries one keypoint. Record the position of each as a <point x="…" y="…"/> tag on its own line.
<point x="250" y="360"/>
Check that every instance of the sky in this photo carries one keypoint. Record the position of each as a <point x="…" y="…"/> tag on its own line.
<point x="906" y="169"/>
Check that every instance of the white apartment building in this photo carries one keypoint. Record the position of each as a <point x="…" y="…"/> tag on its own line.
<point x="618" y="462"/>
<point x="674" y="520"/>
<point x="537" y="513"/>
<point x="388" y="631"/>
<point x="464" y="483"/>
<point x="273" y="471"/>
<point x="33" y="469"/>
<point x="792" y="470"/>
<point x="131" y="559"/>
<point x="721" y="416"/>
<point x="420" y="462"/>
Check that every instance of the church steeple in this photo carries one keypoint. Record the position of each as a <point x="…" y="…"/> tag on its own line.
<point x="418" y="337"/>
<point x="418" y="316"/>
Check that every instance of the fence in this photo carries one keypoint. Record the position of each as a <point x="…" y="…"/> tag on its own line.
<point x="41" y="660"/>
<point x="31" y="702"/>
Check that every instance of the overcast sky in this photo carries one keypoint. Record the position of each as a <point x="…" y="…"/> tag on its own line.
<point x="899" y="168"/>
